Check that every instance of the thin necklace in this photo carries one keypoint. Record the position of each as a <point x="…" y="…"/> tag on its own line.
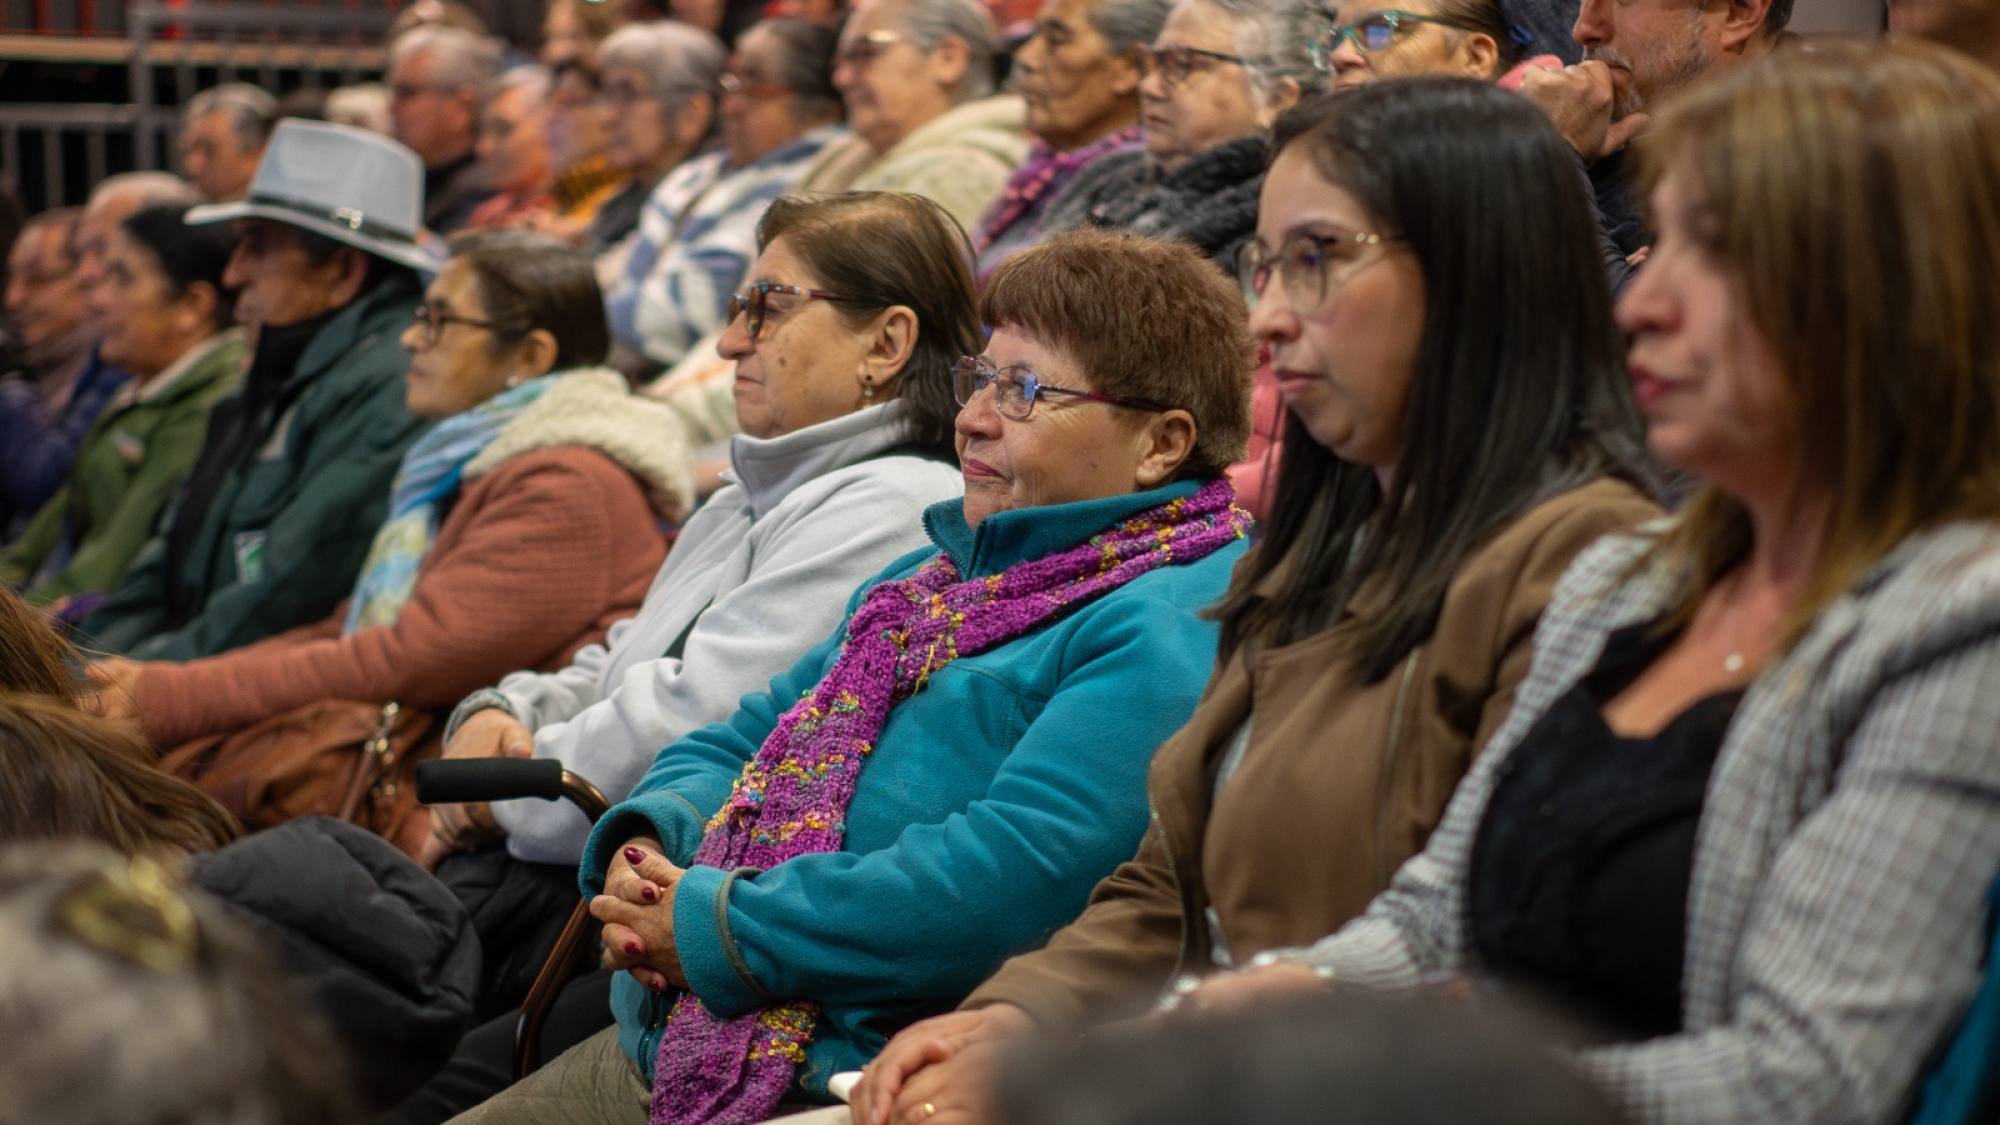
<point x="1732" y="662"/>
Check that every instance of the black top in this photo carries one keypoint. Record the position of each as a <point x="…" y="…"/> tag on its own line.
<point x="1579" y="876"/>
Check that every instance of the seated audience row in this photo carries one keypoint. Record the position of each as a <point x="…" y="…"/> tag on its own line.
<point x="1742" y="812"/>
<point x="519" y="528"/>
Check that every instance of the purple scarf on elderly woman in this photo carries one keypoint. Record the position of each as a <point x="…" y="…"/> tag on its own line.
<point x="792" y="797"/>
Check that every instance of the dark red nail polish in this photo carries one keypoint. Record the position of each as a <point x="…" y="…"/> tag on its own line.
<point x="634" y="949"/>
<point x="647" y="892"/>
<point x="634" y="856"/>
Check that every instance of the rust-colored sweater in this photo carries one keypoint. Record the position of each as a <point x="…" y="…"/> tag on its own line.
<point x="536" y="559"/>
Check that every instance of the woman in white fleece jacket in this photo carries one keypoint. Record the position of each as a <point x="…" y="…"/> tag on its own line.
<point x="846" y="411"/>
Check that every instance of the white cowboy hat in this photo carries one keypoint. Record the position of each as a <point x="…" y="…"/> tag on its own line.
<point x="349" y="184"/>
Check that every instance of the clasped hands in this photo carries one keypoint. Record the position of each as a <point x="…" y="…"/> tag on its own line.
<point x="637" y="909"/>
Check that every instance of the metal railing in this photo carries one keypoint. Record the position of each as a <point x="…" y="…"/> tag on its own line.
<point x="52" y="152"/>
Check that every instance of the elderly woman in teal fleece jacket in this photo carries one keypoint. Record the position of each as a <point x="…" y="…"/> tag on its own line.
<point x="939" y="783"/>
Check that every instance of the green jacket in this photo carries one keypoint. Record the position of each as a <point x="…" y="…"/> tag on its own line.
<point x="288" y="530"/>
<point x="125" y="472"/>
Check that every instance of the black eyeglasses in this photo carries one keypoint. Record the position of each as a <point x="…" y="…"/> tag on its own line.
<point x="1016" y="388"/>
<point x="1376" y="31"/>
<point x="1176" y="63"/>
<point x="754" y="302"/>
<point x="432" y="324"/>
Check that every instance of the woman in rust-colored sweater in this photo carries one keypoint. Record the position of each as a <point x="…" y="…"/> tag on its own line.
<point x="521" y="526"/>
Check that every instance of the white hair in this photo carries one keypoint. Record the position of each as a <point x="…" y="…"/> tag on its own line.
<point x="252" y="112"/>
<point x="928" y="23"/>
<point x="460" y="59"/>
<point x="676" y="57"/>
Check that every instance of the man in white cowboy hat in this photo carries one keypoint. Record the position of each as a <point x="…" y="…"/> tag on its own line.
<point x="272" y="522"/>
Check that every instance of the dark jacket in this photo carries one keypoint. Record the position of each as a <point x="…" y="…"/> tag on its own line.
<point x="1210" y="200"/>
<point x="38" y="445"/>
<point x="452" y="192"/>
<point x="385" y="949"/>
<point x="292" y="519"/>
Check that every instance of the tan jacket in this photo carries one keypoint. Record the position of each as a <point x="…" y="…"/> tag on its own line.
<point x="1340" y="783"/>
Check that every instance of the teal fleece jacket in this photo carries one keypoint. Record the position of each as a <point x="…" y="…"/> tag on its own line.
<point x="994" y="801"/>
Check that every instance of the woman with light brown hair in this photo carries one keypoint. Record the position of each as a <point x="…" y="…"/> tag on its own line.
<point x="1747" y="807"/>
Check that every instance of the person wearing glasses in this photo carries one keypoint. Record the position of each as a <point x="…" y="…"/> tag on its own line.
<point x="520" y="526"/>
<point x="843" y="338"/>
<point x="1216" y="77"/>
<point x="1470" y="38"/>
<point x="918" y="79"/>
<point x="941" y="779"/>
<point x="655" y="100"/>
<point x="777" y="112"/>
<point x="1748" y="810"/>
<point x="1433" y="488"/>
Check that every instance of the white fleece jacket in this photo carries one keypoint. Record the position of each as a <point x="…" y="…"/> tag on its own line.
<point x="760" y="574"/>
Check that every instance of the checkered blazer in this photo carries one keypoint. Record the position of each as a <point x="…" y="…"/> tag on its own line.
<point x="1851" y="828"/>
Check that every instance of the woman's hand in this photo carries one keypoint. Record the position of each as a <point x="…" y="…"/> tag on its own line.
<point x="637" y="909"/>
<point x="112" y="680"/>
<point x="491" y="733"/>
<point x="936" y="1063"/>
<point x="1225" y="992"/>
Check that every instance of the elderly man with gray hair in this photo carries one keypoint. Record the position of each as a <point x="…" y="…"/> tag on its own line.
<point x="437" y="78"/>
<point x="223" y="130"/>
<point x="918" y="78"/>
<point x="1079" y="72"/>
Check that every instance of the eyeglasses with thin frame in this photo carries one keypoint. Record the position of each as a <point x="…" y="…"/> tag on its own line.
<point x="1310" y="267"/>
<point x="1376" y="31"/>
<point x="432" y="324"/>
<point x="1017" y="387"/>
<point x="866" y="48"/>
<point x="1175" y="64"/>
<point x="754" y="302"/>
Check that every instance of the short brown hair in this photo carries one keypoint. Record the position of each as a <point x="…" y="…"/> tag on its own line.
<point x="880" y="249"/>
<point x="1146" y="318"/>
<point x="65" y="774"/>
<point x="1849" y="189"/>
<point x="529" y="281"/>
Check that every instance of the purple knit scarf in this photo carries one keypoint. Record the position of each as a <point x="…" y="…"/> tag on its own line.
<point x="792" y="798"/>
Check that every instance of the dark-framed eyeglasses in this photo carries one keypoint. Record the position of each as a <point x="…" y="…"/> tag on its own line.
<point x="1310" y="267"/>
<point x="754" y="302"/>
<point x="432" y="322"/>
<point x="1175" y="64"/>
<point x="1017" y="387"/>
<point x="1376" y="31"/>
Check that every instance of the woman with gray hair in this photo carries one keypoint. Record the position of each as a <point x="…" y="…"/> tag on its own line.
<point x="656" y="96"/>
<point x="777" y="113"/>
<point x="918" y="78"/>
<point x="1217" y="75"/>
<point x="1079" y="73"/>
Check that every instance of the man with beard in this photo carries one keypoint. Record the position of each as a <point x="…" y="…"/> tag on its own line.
<point x="1972" y="26"/>
<point x="1637" y="53"/>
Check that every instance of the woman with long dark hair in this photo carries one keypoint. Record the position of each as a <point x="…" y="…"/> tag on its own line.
<point x="1458" y="430"/>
